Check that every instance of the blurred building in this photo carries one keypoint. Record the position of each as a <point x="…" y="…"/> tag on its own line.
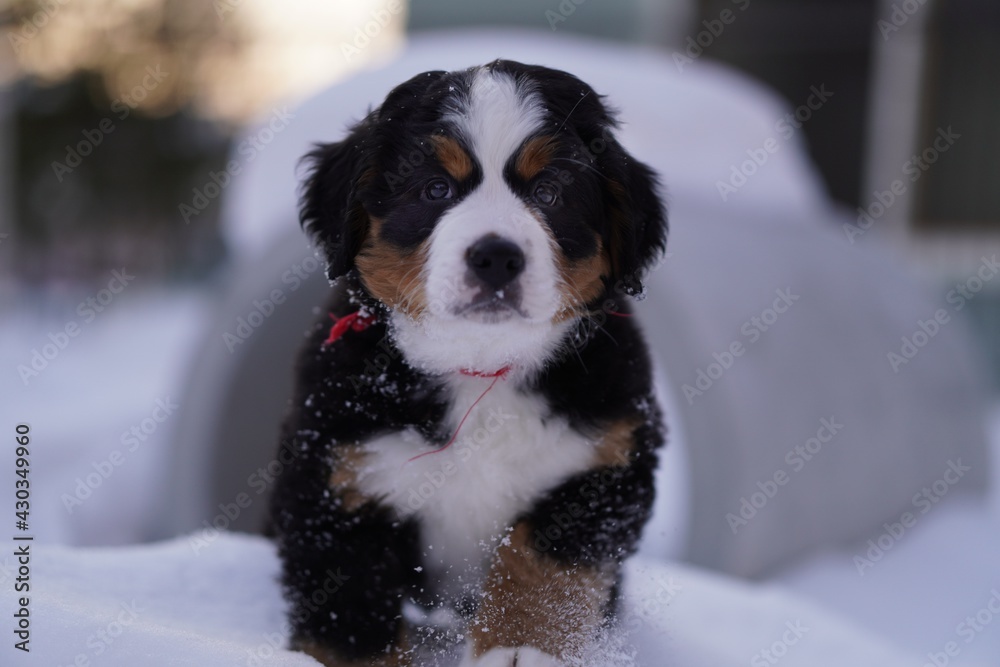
<point x="115" y="115"/>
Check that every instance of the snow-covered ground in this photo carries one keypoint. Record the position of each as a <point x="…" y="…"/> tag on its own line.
<point x="101" y="415"/>
<point x="165" y="604"/>
<point x="121" y="371"/>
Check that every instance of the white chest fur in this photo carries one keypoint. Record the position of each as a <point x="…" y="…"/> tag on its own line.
<point x="508" y="452"/>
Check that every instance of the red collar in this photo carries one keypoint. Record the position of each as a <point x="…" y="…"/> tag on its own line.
<point x="357" y="322"/>
<point x="497" y="376"/>
<point x="354" y="321"/>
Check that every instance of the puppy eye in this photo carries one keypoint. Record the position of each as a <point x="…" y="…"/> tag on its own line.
<point x="546" y="194"/>
<point x="437" y="189"/>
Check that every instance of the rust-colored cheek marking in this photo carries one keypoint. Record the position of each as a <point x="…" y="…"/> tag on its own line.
<point x="452" y="157"/>
<point x="344" y="479"/>
<point x="582" y="281"/>
<point x="530" y="599"/>
<point x="534" y="157"/>
<point x="393" y="275"/>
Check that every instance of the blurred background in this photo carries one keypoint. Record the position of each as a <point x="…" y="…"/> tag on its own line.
<point x="68" y="66"/>
<point x="145" y="147"/>
<point x="123" y="123"/>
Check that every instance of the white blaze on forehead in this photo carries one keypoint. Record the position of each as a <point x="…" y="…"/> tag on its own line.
<point x="499" y="115"/>
<point x="495" y="119"/>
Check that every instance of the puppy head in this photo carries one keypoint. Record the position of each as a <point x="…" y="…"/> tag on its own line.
<point x="487" y="209"/>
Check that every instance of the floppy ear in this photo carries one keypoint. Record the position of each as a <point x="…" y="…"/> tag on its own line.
<point x="329" y="209"/>
<point x="636" y="233"/>
<point x="638" y="219"/>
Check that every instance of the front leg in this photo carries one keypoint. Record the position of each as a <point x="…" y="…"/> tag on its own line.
<point x="536" y="610"/>
<point x="345" y="585"/>
<point x="347" y="565"/>
<point x="553" y="580"/>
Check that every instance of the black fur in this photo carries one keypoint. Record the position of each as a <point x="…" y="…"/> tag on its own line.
<point x="362" y="386"/>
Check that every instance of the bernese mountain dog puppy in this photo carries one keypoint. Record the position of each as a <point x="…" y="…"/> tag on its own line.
<point x="477" y="429"/>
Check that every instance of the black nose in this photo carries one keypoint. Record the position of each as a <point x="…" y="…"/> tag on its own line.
<point x="495" y="261"/>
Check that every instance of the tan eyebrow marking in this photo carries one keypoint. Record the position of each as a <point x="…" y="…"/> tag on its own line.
<point x="452" y="157"/>
<point x="535" y="156"/>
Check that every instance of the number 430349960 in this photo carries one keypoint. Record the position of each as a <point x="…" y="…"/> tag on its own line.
<point x="23" y="485"/>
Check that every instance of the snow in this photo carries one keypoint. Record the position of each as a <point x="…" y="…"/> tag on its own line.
<point x="700" y="141"/>
<point x="157" y="605"/>
<point x="928" y="583"/>
<point x="166" y="604"/>
<point x="106" y="381"/>
<point x="222" y="605"/>
<point x="163" y="604"/>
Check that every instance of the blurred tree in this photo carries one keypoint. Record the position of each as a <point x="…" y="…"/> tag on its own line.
<point x="960" y="91"/>
<point x="795" y="44"/>
<point x="119" y="108"/>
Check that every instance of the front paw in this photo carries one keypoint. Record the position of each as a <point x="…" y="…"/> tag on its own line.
<point x="524" y="656"/>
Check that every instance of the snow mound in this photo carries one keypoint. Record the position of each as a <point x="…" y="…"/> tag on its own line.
<point x="166" y="604"/>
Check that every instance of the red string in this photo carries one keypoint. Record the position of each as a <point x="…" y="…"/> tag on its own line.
<point x="354" y="321"/>
<point x="497" y="376"/>
<point x="358" y="322"/>
<point x="480" y="374"/>
<point x="617" y="314"/>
